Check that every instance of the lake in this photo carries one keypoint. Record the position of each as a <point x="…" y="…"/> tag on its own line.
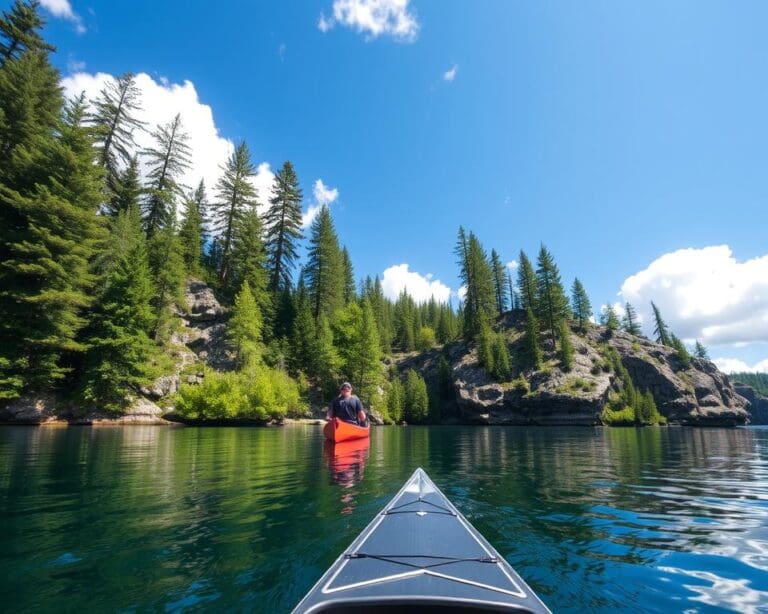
<point x="138" y="519"/>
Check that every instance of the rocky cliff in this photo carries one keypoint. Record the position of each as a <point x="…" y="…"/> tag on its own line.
<point x="758" y="405"/>
<point x="697" y="394"/>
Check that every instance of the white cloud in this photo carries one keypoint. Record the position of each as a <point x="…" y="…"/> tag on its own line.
<point x="324" y="24"/>
<point x="323" y="195"/>
<point x="733" y="365"/>
<point x="420" y="287"/>
<point x="75" y="65"/>
<point x="63" y="10"/>
<point x="161" y="101"/>
<point x="704" y="294"/>
<point x="373" y="18"/>
<point x="461" y="292"/>
<point x="450" y="75"/>
<point x="513" y="265"/>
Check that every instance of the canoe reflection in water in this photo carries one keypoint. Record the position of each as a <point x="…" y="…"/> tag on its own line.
<point x="346" y="461"/>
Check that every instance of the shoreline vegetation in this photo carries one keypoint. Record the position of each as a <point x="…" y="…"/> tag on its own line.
<point x="127" y="295"/>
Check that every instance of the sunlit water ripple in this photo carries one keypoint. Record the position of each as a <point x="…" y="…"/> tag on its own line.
<point x="155" y="519"/>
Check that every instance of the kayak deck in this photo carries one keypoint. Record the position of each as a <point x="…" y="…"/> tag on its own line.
<point x="420" y="552"/>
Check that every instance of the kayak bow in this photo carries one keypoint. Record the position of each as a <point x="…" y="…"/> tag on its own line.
<point x="420" y="553"/>
<point x="338" y="430"/>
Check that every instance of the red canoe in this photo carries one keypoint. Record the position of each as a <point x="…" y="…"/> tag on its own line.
<point x="337" y="430"/>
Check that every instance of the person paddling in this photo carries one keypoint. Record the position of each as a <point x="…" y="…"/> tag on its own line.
<point x="346" y="406"/>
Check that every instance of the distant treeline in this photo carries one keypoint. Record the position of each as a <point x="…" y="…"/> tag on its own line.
<point x="758" y="381"/>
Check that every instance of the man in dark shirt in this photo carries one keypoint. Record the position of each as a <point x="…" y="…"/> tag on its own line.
<point x="347" y="406"/>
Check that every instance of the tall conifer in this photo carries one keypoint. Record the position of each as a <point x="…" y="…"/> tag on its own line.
<point x="236" y="195"/>
<point x="19" y="31"/>
<point x="582" y="307"/>
<point x="120" y="348"/>
<point x="661" y="330"/>
<point x="499" y="281"/>
<point x="167" y="160"/>
<point x="630" y="321"/>
<point x="551" y="301"/>
<point x="527" y="284"/>
<point x="115" y="124"/>
<point x="191" y="233"/>
<point x="282" y="224"/>
<point x="324" y="272"/>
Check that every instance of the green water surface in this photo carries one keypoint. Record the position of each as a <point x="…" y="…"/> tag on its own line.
<point x="149" y="519"/>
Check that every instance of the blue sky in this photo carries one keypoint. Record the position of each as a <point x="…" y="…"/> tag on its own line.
<point x="617" y="133"/>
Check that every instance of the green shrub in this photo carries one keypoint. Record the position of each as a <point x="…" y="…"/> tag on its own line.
<point x="426" y="339"/>
<point x="618" y="417"/>
<point x="257" y="393"/>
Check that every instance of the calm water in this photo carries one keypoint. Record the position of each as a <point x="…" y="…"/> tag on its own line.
<point x="159" y="519"/>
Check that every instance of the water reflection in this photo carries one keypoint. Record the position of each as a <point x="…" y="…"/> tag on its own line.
<point x="346" y="462"/>
<point x="598" y="520"/>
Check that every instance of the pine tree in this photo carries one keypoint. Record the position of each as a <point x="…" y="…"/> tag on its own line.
<point x="328" y="356"/>
<point x="501" y="363"/>
<point x="477" y="276"/>
<point x="350" y="292"/>
<point x="282" y="224"/>
<point x="126" y="190"/>
<point x="609" y="318"/>
<point x="49" y="230"/>
<point x="700" y="351"/>
<point x="532" y="343"/>
<point x="245" y="326"/>
<point x="631" y="324"/>
<point x="236" y="195"/>
<point x="527" y="284"/>
<point x="416" y="398"/>
<point x="19" y="31"/>
<point x="396" y="400"/>
<point x="514" y="297"/>
<point x="499" y="282"/>
<point x="167" y="161"/>
<point x="30" y="112"/>
<point x="191" y="231"/>
<point x="248" y="261"/>
<point x="485" y="347"/>
<point x="682" y="352"/>
<point x="304" y="342"/>
<point x="358" y="343"/>
<point x="403" y="323"/>
<point x="114" y="124"/>
<point x="120" y="348"/>
<point x="446" y="327"/>
<point x="661" y="330"/>
<point x="324" y="272"/>
<point x="166" y="263"/>
<point x="582" y="307"/>
<point x="566" y="346"/>
<point x="551" y="301"/>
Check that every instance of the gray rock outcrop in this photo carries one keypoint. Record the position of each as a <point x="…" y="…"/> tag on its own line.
<point x="698" y="394"/>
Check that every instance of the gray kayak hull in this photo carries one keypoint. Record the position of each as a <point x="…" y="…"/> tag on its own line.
<point x="420" y="552"/>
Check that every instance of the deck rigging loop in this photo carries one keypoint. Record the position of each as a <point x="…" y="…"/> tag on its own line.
<point x="444" y="560"/>
<point x="397" y="508"/>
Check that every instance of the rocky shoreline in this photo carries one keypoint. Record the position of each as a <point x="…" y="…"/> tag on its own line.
<point x="695" y="394"/>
